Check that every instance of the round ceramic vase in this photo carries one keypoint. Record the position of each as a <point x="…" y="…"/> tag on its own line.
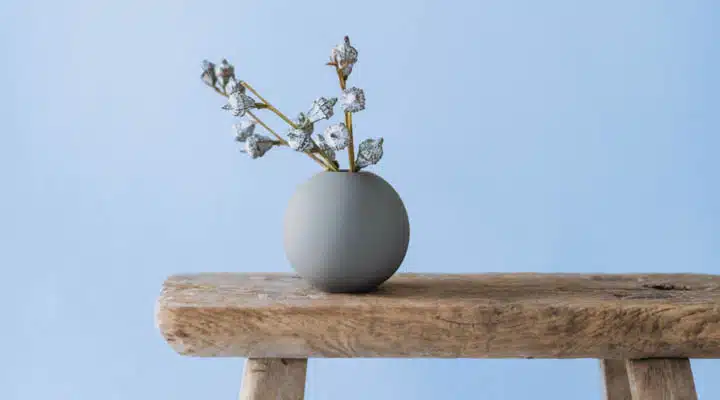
<point x="346" y="232"/>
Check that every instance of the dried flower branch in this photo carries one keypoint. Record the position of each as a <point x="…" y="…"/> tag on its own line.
<point x="268" y="105"/>
<point x="370" y="152"/>
<point x="239" y="103"/>
<point x="283" y="142"/>
<point x="257" y="145"/>
<point x="322" y="108"/>
<point x="321" y="147"/>
<point x="344" y="56"/>
<point x="337" y="136"/>
<point x="208" y="76"/>
<point x="300" y="140"/>
<point x="244" y="130"/>
<point x="225" y="72"/>
<point x="353" y="100"/>
<point x="326" y="148"/>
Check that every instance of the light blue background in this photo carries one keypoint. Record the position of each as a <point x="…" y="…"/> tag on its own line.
<point x="559" y="136"/>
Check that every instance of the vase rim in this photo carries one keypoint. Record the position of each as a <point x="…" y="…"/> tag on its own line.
<point x="347" y="170"/>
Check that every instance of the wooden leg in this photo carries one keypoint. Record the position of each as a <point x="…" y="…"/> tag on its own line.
<point x="615" y="377"/>
<point x="274" y="379"/>
<point x="661" y="379"/>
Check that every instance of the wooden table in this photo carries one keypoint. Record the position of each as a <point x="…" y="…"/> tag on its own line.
<point x="643" y="328"/>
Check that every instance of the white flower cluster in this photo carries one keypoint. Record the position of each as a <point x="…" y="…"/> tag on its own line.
<point x="353" y="100"/>
<point x="239" y="103"/>
<point x="221" y="77"/>
<point x="254" y="145"/>
<point x="370" y="152"/>
<point x="345" y="56"/>
<point x="300" y="136"/>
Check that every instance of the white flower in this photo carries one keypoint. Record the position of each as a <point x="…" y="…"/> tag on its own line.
<point x="300" y="141"/>
<point x="370" y="152"/>
<point x="244" y="130"/>
<point x="337" y="136"/>
<point x="325" y="147"/>
<point x="239" y="103"/>
<point x="233" y="86"/>
<point x="305" y="124"/>
<point x="208" y="75"/>
<point x="345" y="56"/>
<point x="257" y="145"/>
<point x="225" y="71"/>
<point x="322" y="108"/>
<point x="353" y="100"/>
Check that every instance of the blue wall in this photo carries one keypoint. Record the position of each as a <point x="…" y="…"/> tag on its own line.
<point x="554" y="136"/>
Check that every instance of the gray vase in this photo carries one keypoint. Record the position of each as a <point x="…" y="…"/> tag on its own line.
<point x="346" y="233"/>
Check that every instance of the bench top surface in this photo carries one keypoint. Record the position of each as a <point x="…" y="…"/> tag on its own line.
<point x="445" y="315"/>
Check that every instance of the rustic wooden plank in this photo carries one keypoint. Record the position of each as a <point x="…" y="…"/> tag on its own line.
<point x="661" y="379"/>
<point x="445" y="316"/>
<point x="615" y="378"/>
<point x="274" y="379"/>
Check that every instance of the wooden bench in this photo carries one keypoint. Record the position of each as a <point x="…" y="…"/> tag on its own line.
<point x="643" y="328"/>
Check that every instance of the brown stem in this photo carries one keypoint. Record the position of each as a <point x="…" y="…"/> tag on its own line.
<point x="326" y="164"/>
<point x="264" y="125"/>
<point x="270" y="106"/>
<point x="283" y="141"/>
<point x="351" y="144"/>
<point x="325" y="159"/>
<point x="348" y="120"/>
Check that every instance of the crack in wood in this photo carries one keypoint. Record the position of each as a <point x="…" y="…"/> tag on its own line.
<point x="666" y="286"/>
<point x="458" y="322"/>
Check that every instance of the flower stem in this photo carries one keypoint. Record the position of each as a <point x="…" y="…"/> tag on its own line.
<point x="351" y="145"/>
<point x="264" y="125"/>
<point x="325" y="159"/>
<point x="348" y="120"/>
<point x="322" y="161"/>
<point x="270" y="106"/>
<point x="341" y="78"/>
<point x="326" y="164"/>
<point x="220" y="92"/>
<point x="284" y="142"/>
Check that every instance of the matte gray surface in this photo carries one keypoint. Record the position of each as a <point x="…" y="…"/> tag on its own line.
<point x="346" y="232"/>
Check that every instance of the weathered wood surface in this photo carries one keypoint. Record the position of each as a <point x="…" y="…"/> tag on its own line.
<point x="445" y="316"/>
<point x="661" y="379"/>
<point x="274" y="379"/>
<point x="615" y="378"/>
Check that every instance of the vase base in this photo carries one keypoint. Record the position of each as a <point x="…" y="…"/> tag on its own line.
<point x="344" y="288"/>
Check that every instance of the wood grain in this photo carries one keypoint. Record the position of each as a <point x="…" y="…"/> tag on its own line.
<point x="661" y="379"/>
<point x="615" y="378"/>
<point x="274" y="379"/>
<point x="445" y="316"/>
